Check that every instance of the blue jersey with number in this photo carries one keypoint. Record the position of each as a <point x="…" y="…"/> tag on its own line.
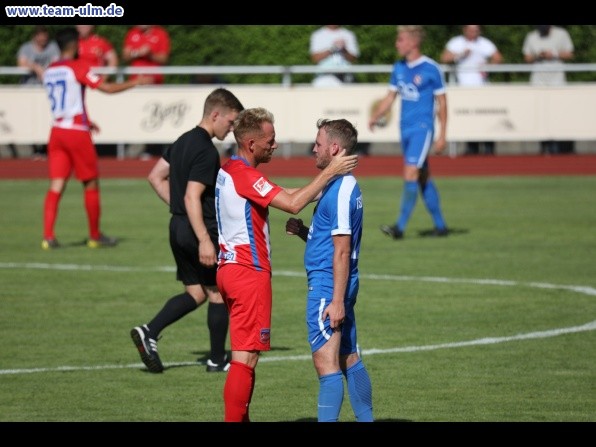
<point x="417" y="83"/>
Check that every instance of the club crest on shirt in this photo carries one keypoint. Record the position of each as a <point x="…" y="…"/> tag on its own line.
<point x="265" y="335"/>
<point x="417" y="79"/>
<point x="92" y="77"/>
<point x="262" y="186"/>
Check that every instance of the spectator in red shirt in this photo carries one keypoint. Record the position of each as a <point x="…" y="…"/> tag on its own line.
<point x="147" y="46"/>
<point x="95" y="49"/>
<point x="98" y="52"/>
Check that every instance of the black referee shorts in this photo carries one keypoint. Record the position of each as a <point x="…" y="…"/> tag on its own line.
<point x="185" y="248"/>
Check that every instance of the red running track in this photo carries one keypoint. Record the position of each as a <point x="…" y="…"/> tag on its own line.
<point x="441" y="166"/>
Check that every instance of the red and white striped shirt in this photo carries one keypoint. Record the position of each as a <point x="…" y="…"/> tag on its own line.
<point x="242" y="201"/>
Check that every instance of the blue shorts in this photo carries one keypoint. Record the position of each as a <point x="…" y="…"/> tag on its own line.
<point x="416" y="144"/>
<point x="318" y="298"/>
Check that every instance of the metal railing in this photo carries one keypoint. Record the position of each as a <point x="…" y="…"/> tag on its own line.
<point x="286" y="72"/>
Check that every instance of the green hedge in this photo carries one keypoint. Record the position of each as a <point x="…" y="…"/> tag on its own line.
<point x="288" y="45"/>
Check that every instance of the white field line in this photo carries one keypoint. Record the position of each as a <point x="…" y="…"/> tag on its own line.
<point x="481" y="341"/>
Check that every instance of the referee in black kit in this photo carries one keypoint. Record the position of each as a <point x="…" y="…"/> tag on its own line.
<point x="184" y="178"/>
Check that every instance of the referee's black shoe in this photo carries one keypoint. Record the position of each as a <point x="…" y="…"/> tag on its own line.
<point x="147" y="348"/>
<point x="392" y="231"/>
<point x="223" y="366"/>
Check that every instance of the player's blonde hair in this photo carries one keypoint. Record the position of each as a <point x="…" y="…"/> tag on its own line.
<point x="249" y="121"/>
<point x="414" y="30"/>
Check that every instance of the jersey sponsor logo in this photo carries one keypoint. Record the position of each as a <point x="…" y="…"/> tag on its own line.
<point x="262" y="186"/>
<point x="409" y="92"/>
<point x="158" y="114"/>
<point x="228" y="256"/>
<point x="265" y="335"/>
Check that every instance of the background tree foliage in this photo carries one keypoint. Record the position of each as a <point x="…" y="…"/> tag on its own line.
<point x="214" y="45"/>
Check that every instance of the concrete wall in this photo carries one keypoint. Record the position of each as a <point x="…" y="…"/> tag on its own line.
<point x="516" y="116"/>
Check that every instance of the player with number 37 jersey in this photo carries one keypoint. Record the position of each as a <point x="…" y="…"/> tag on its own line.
<point x="70" y="147"/>
<point x="65" y="83"/>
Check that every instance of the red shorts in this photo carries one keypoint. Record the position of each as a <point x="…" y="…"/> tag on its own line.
<point x="247" y="294"/>
<point x="70" y="150"/>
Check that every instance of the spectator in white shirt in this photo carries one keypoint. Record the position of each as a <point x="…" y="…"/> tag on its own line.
<point x="470" y="51"/>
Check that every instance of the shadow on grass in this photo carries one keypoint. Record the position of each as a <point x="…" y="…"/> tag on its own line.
<point x="83" y="243"/>
<point x="432" y="233"/>
<point x="377" y="420"/>
<point x="204" y="355"/>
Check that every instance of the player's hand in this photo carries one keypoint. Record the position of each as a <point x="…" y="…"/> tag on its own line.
<point x="293" y="226"/>
<point x="336" y="313"/>
<point x="440" y="145"/>
<point x="342" y="163"/>
<point x="93" y="127"/>
<point x="207" y="254"/>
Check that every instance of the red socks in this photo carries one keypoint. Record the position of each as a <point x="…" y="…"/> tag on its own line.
<point x="93" y="210"/>
<point x="238" y="389"/>
<point x="50" y="212"/>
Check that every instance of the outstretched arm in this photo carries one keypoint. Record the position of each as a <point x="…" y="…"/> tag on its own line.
<point x="117" y="87"/>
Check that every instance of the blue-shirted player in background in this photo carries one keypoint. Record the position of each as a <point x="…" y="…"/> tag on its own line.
<point x="421" y="84"/>
<point x="331" y="262"/>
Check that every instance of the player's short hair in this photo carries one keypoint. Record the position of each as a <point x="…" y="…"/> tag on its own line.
<point x="250" y="121"/>
<point x="415" y="30"/>
<point x="223" y="98"/>
<point x="341" y="131"/>
<point x="66" y="37"/>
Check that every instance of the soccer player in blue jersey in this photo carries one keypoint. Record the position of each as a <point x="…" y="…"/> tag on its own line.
<point x="421" y="84"/>
<point x="331" y="262"/>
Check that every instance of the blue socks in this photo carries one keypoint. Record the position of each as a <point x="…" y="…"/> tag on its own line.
<point x="360" y="391"/>
<point x="408" y="202"/>
<point x="431" y="199"/>
<point x="430" y="194"/>
<point x="331" y="396"/>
